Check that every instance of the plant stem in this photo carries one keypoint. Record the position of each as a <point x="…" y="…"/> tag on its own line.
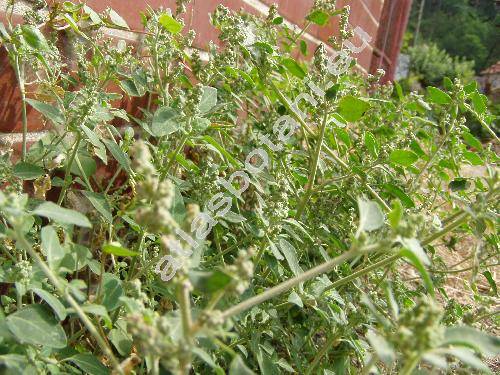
<point x="314" y="168"/>
<point x="364" y="271"/>
<point x="73" y="303"/>
<point x="68" y="168"/>
<point x="174" y="155"/>
<point x="289" y="284"/>
<point x="118" y="171"/>
<point x="481" y="121"/>
<point x="328" y="150"/>
<point x="321" y="353"/>
<point x="440" y="146"/>
<point x="410" y="365"/>
<point x="306" y="26"/>
<point x="330" y="265"/>
<point x="84" y="175"/>
<point x="183" y="296"/>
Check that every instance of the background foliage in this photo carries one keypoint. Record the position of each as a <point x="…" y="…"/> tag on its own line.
<point x="306" y="273"/>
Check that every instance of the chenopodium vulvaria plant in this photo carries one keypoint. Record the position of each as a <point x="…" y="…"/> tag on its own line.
<point x="256" y="213"/>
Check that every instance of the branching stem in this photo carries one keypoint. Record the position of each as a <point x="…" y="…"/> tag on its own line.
<point x="73" y="303"/>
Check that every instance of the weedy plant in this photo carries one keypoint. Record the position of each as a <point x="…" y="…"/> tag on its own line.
<point x="304" y="273"/>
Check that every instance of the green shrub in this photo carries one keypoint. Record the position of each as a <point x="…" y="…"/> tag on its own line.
<point x="233" y="230"/>
<point x="431" y="65"/>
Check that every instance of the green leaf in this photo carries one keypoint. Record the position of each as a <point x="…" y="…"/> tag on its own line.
<point x="209" y="282"/>
<point x="238" y="367"/>
<point x="413" y="245"/>
<point x="403" y="157"/>
<point x="295" y="299"/>
<point x="471" y="87"/>
<point x="121" y="339"/>
<point x="27" y="171"/>
<point x="18" y="364"/>
<point x="170" y="24"/>
<point x="3" y="32"/>
<point x="266" y="47"/>
<point x="92" y="137"/>
<point x="370" y="215"/>
<point x="371" y="144"/>
<point x="291" y="256"/>
<point x="293" y="67"/>
<point x="417" y="149"/>
<point x="87" y="162"/>
<point x="121" y="157"/>
<point x="33" y="324"/>
<point x="34" y="37"/>
<point x="208" y="99"/>
<point x="303" y="47"/>
<point x="467" y="357"/>
<point x="352" y="108"/>
<point x="382" y="348"/>
<point x="100" y="204"/>
<point x="94" y="17"/>
<point x="473" y="158"/>
<point x="116" y="249"/>
<point x="472" y="141"/>
<point x="199" y="124"/>
<point x="165" y="121"/>
<point x="491" y="281"/>
<point x="417" y="263"/>
<point x="482" y="342"/>
<point x="396" y="214"/>
<point x="278" y="21"/>
<point x="52" y="301"/>
<point x="112" y="291"/>
<point x="217" y="147"/>
<point x="332" y="92"/>
<point x="398" y="193"/>
<point x="116" y="19"/>
<point x="459" y="184"/>
<point x="62" y="215"/>
<point x="131" y="88"/>
<point x="437" y="96"/>
<point x="205" y="357"/>
<point x="48" y="110"/>
<point x="97" y="310"/>
<point x="479" y="102"/>
<point x="51" y="246"/>
<point x="275" y="251"/>
<point x="343" y="135"/>
<point x="88" y="363"/>
<point x="318" y="17"/>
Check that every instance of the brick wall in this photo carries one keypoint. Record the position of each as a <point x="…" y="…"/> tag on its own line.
<point x="384" y="20"/>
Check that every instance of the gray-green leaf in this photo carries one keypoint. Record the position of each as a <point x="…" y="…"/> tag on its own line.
<point x="100" y="204"/>
<point x="383" y="349"/>
<point x="291" y="256"/>
<point x="165" y="121"/>
<point x="27" y="171"/>
<point x="53" y="302"/>
<point x="62" y="215"/>
<point x="370" y="215"/>
<point x="89" y="364"/>
<point x="238" y="367"/>
<point x="473" y="338"/>
<point x="208" y="99"/>
<point x="119" y="155"/>
<point x="48" y="110"/>
<point x="51" y="246"/>
<point x="33" y="324"/>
